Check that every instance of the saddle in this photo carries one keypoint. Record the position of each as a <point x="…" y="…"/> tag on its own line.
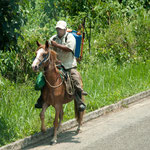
<point x="66" y="77"/>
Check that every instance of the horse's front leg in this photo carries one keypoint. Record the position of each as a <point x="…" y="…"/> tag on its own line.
<point x="57" y="112"/>
<point x="60" y="120"/>
<point x="42" y="117"/>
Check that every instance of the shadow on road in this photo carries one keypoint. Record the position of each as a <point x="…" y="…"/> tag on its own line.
<point x="68" y="137"/>
<point x="64" y="137"/>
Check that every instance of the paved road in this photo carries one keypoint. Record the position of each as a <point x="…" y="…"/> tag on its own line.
<point x="125" y="129"/>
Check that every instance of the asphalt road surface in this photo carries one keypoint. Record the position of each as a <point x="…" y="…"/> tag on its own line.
<point x="124" y="129"/>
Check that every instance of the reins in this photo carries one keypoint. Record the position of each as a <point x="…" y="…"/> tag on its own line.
<point x="53" y="86"/>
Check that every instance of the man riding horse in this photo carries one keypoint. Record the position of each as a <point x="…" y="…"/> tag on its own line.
<point x="65" y="51"/>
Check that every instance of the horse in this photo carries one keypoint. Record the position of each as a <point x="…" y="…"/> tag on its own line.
<point x="54" y="91"/>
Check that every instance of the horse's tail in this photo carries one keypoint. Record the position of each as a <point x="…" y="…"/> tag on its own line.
<point x="78" y="114"/>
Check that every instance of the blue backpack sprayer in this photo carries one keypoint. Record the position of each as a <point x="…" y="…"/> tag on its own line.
<point x="79" y="42"/>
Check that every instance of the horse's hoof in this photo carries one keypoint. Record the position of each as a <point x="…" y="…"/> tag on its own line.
<point x="53" y="142"/>
<point x="78" y="131"/>
<point x="59" y="131"/>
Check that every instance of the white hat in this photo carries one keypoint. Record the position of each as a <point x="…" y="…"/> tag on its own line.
<point x="61" y="25"/>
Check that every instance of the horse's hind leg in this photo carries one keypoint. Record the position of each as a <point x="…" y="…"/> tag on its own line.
<point x="80" y="121"/>
<point x="42" y="117"/>
<point x="79" y="116"/>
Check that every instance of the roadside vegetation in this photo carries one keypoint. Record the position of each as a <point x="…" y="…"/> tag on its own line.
<point x="115" y="64"/>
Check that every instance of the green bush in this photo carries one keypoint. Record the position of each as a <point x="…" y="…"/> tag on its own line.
<point x="124" y="41"/>
<point x="141" y="29"/>
<point x="16" y="64"/>
<point x="116" y="42"/>
<point x="11" y="18"/>
<point x="9" y="63"/>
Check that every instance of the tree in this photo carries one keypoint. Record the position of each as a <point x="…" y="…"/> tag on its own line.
<point x="10" y="20"/>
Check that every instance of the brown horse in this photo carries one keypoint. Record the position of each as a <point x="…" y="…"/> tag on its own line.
<point x="54" y="92"/>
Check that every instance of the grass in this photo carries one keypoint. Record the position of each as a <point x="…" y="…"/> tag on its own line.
<point x="106" y="83"/>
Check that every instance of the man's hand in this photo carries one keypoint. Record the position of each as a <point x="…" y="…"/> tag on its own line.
<point x="60" y="46"/>
<point x="54" y="43"/>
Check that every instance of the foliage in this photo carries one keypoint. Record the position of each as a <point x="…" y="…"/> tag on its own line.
<point x="9" y="63"/>
<point x="10" y="19"/>
<point x="75" y="7"/>
<point x="17" y="63"/>
<point x="116" y="42"/>
<point x="15" y="67"/>
<point x="124" y="41"/>
<point x="141" y="31"/>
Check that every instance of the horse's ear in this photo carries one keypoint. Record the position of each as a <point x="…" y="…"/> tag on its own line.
<point x="46" y="44"/>
<point x="38" y="44"/>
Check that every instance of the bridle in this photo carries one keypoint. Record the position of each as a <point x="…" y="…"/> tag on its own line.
<point x="44" y="59"/>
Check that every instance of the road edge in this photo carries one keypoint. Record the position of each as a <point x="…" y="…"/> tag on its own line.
<point x="20" y="144"/>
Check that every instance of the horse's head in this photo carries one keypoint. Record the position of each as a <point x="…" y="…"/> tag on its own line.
<point x="42" y="56"/>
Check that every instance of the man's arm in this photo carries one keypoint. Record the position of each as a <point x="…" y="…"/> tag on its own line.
<point x="63" y="47"/>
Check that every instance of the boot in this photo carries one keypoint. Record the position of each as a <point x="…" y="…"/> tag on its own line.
<point x="78" y="87"/>
<point x="39" y="102"/>
<point x="84" y="93"/>
<point x="80" y="104"/>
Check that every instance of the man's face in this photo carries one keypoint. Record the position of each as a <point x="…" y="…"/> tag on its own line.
<point x="60" y="32"/>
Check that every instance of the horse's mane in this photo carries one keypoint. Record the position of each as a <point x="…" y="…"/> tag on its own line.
<point x="54" y="55"/>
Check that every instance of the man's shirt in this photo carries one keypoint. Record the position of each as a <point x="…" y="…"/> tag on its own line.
<point x="67" y="59"/>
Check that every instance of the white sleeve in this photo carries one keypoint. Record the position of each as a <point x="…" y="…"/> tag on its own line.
<point x="51" y="39"/>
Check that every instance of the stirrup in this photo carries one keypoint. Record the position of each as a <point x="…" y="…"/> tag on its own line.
<point x="82" y="107"/>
